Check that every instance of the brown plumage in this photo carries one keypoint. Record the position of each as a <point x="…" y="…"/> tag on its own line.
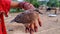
<point x="26" y="17"/>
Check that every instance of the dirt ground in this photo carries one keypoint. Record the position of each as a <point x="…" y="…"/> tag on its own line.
<point x="50" y="25"/>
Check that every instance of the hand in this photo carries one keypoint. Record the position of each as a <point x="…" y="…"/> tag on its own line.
<point x="33" y="27"/>
<point x="26" y="5"/>
<point x="23" y="5"/>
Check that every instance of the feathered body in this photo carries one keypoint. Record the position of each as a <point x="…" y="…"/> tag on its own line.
<point x="26" y="17"/>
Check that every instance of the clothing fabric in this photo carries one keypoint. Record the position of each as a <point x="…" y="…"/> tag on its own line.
<point x="5" y="6"/>
<point x="4" y="9"/>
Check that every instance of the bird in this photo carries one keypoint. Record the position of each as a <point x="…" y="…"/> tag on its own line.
<point x="26" y="17"/>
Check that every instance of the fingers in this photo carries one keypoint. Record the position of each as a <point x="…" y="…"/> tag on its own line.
<point x="27" y="29"/>
<point x="35" y="27"/>
<point x="39" y="21"/>
<point x="32" y="28"/>
<point x="28" y="6"/>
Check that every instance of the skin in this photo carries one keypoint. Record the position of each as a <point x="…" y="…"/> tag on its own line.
<point x="33" y="27"/>
<point x="27" y="6"/>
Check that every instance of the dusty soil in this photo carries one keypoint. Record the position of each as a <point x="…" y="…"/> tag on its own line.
<point x="50" y="25"/>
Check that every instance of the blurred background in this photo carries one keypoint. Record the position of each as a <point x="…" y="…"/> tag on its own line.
<point x="38" y="3"/>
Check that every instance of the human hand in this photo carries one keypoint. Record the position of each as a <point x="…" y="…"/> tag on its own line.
<point x="26" y="5"/>
<point x="33" y="27"/>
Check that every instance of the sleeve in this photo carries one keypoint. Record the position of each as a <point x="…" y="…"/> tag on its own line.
<point x="5" y="6"/>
